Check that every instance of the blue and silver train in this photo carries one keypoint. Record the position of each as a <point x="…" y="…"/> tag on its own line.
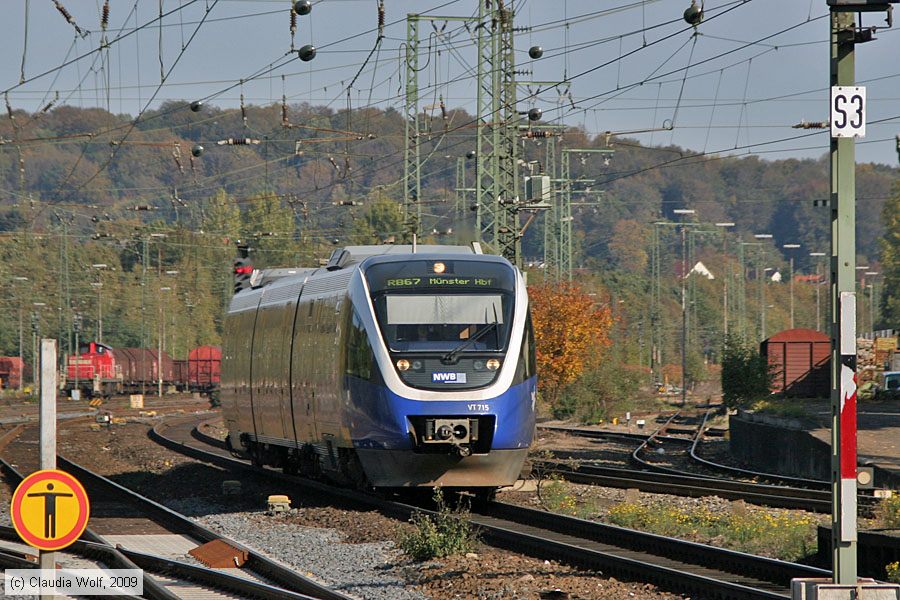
<point x="391" y="366"/>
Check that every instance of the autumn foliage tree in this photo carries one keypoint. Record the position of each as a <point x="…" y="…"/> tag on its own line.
<point x="571" y="332"/>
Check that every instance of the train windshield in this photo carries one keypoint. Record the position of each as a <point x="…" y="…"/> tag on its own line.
<point x="466" y="305"/>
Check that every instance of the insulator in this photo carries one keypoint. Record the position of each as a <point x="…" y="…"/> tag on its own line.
<point x="243" y="110"/>
<point x="693" y="15"/>
<point x="381" y="19"/>
<point x="293" y="21"/>
<point x="50" y="104"/>
<point x="443" y="110"/>
<point x="284" y="113"/>
<point x="68" y="17"/>
<point x="307" y="53"/>
<point x="104" y="18"/>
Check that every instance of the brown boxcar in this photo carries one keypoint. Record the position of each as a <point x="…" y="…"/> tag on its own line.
<point x="11" y="371"/>
<point x="140" y="368"/>
<point x="180" y="368"/>
<point x="204" y="365"/>
<point x="799" y="360"/>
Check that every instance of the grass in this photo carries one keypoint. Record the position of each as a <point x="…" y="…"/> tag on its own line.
<point x="783" y="407"/>
<point x="744" y="528"/>
<point x="785" y="536"/>
<point x="447" y="533"/>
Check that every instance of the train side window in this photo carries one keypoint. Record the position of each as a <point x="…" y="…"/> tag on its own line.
<point x="359" y="351"/>
<point x="525" y="369"/>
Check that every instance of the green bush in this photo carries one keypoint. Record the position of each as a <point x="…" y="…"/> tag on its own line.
<point x="887" y="513"/>
<point x="893" y="572"/>
<point x="601" y="393"/>
<point x="447" y="533"/>
<point x="746" y="374"/>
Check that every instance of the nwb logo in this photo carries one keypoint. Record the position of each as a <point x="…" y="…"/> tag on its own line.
<point x="448" y="377"/>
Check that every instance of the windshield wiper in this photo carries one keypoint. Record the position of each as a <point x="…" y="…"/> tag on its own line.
<point x="475" y="337"/>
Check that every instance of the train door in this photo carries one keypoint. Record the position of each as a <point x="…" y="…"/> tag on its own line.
<point x="286" y="327"/>
<point x="302" y="361"/>
<point x="268" y="351"/>
<point x="327" y="404"/>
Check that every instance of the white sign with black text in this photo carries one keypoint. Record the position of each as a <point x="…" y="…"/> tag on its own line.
<point x="848" y="111"/>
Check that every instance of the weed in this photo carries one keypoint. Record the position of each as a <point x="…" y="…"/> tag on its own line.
<point x="757" y="532"/>
<point x="446" y="533"/>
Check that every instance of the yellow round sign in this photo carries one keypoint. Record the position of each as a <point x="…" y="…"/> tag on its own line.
<point x="50" y="510"/>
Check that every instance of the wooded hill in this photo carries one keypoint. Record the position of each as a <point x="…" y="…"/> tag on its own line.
<point x="83" y="187"/>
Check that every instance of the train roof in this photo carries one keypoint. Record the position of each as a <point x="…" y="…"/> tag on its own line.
<point x="286" y="282"/>
<point x="348" y="256"/>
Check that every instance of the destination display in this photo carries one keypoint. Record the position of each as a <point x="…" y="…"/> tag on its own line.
<point x="449" y="275"/>
<point x="439" y="281"/>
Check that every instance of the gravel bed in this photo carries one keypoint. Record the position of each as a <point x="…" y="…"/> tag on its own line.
<point x="361" y="570"/>
<point x="354" y="550"/>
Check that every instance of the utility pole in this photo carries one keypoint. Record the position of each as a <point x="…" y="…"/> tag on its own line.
<point x="791" y="247"/>
<point x="725" y="278"/>
<point x="565" y="206"/>
<point x="412" y="181"/>
<point x="843" y="314"/>
<point x="848" y="121"/>
<point x="684" y="273"/>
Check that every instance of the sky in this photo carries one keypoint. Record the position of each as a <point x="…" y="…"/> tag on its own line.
<point x="734" y="85"/>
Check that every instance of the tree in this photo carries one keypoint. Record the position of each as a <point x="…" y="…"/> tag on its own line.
<point x="628" y="246"/>
<point x="746" y="375"/>
<point x="890" y="259"/>
<point x="571" y="332"/>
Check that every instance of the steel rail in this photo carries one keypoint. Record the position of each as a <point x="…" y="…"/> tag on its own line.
<point x="256" y="562"/>
<point x="674" y="564"/>
<point x="111" y="556"/>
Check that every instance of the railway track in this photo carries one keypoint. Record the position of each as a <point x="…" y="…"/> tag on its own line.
<point x="672" y="564"/>
<point x="787" y="492"/>
<point x="150" y="527"/>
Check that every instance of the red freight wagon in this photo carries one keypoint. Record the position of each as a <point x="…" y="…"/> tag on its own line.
<point x="204" y="365"/>
<point x="799" y="359"/>
<point x="11" y="370"/>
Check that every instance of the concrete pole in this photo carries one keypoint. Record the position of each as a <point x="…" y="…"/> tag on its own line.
<point x="47" y="560"/>
<point x="792" y="291"/>
<point x="818" y="301"/>
<point x="683" y="319"/>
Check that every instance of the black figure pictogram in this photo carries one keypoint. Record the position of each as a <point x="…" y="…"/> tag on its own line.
<point x="50" y="509"/>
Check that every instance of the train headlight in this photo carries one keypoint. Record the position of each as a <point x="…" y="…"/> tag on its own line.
<point x="439" y="267"/>
<point x="478" y="365"/>
<point x="402" y="364"/>
<point x="417" y="365"/>
<point x="493" y="364"/>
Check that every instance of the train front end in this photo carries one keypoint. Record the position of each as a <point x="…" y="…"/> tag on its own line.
<point x="452" y="398"/>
